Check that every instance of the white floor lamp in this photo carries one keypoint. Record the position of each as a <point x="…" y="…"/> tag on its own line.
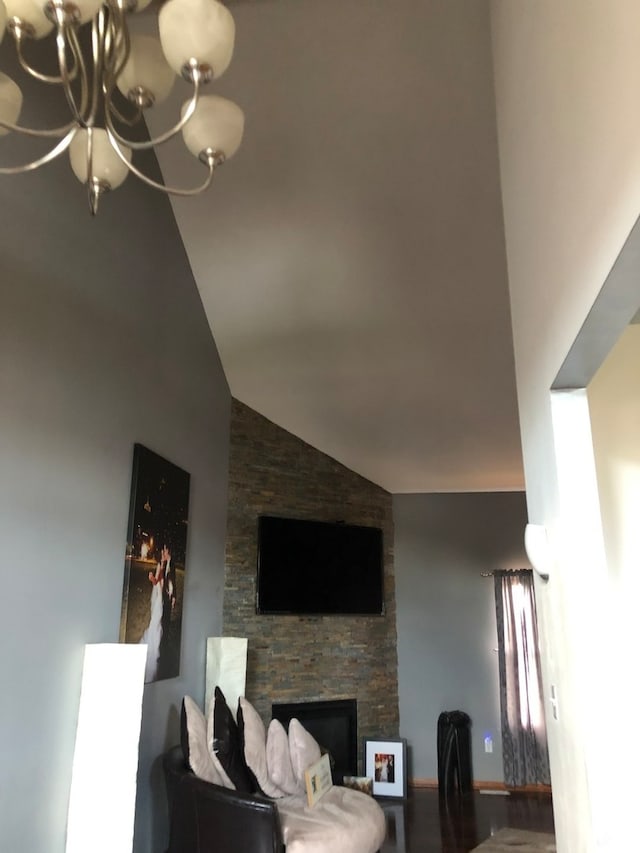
<point x="105" y="762"/>
<point x="226" y="668"/>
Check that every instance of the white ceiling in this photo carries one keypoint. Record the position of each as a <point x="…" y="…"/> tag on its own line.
<point x="350" y="258"/>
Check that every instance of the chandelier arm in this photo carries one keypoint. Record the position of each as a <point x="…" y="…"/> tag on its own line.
<point x="97" y="51"/>
<point x="66" y="35"/>
<point x="71" y="75"/>
<point x="41" y="134"/>
<point x="33" y="72"/>
<point x="210" y="162"/>
<point x="116" y="41"/>
<point x="85" y="95"/>
<point x="164" y="137"/>
<point x="130" y="122"/>
<point x="41" y="161"/>
<point x="123" y="119"/>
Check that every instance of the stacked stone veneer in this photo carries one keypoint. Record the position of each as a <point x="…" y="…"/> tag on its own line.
<point x="304" y="658"/>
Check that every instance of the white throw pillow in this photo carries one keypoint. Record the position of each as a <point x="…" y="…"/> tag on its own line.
<point x="196" y="747"/>
<point x="303" y="749"/>
<point x="254" y="744"/>
<point x="279" y="759"/>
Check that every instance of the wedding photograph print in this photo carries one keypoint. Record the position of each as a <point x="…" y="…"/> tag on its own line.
<point x="155" y="561"/>
<point x="385" y="761"/>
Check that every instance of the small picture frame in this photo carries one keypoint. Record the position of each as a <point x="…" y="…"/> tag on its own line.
<point x="385" y="761"/>
<point x="317" y="779"/>
<point x="359" y="783"/>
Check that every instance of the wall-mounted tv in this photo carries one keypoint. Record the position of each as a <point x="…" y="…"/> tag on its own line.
<point x="318" y="568"/>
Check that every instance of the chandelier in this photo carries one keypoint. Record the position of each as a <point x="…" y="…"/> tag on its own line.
<point x="110" y="82"/>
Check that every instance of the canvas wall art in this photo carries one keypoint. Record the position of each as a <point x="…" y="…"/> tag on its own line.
<point x="155" y="561"/>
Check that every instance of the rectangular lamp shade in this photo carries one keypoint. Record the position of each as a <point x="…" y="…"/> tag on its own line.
<point x="105" y="763"/>
<point x="226" y="668"/>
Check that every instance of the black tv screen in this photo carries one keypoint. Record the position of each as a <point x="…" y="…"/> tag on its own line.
<point x="316" y="567"/>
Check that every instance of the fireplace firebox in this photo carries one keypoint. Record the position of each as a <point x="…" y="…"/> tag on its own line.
<point x="334" y="724"/>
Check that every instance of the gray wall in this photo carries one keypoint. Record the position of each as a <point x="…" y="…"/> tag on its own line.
<point x="446" y="618"/>
<point x="103" y="342"/>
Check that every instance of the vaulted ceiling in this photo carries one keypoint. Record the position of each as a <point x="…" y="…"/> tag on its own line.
<point x="350" y="258"/>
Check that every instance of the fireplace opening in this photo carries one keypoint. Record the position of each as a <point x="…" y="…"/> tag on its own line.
<point x="334" y="724"/>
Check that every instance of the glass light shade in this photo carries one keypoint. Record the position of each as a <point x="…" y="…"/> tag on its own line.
<point x="147" y="68"/>
<point x="3" y="19"/>
<point x="107" y="166"/>
<point x="31" y="13"/>
<point x="10" y="101"/>
<point x="216" y="123"/>
<point x="197" y="29"/>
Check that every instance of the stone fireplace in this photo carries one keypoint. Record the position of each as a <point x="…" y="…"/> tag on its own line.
<point x="294" y="658"/>
<point x="334" y="724"/>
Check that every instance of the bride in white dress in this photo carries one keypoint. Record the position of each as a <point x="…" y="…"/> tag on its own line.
<point x="153" y="633"/>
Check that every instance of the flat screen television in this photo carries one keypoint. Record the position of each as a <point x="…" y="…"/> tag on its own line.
<point x="318" y="567"/>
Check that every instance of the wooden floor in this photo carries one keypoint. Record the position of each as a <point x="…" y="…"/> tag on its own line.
<point x="424" y="824"/>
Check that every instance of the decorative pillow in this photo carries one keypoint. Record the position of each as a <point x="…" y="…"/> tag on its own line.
<point x="226" y="782"/>
<point x="227" y="746"/>
<point x="193" y="738"/>
<point x="303" y="749"/>
<point x="253" y="738"/>
<point x="279" y="766"/>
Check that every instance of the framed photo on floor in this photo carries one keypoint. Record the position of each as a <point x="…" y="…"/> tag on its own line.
<point x="385" y="761"/>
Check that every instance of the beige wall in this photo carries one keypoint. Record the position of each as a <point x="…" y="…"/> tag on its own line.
<point x="614" y="404"/>
<point x="567" y="79"/>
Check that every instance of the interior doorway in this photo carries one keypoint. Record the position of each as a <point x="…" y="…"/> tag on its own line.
<point x="595" y="405"/>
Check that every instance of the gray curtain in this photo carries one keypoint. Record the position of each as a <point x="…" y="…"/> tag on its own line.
<point x="524" y="737"/>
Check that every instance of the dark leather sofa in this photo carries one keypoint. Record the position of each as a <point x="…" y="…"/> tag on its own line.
<point x="206" y="818"/>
